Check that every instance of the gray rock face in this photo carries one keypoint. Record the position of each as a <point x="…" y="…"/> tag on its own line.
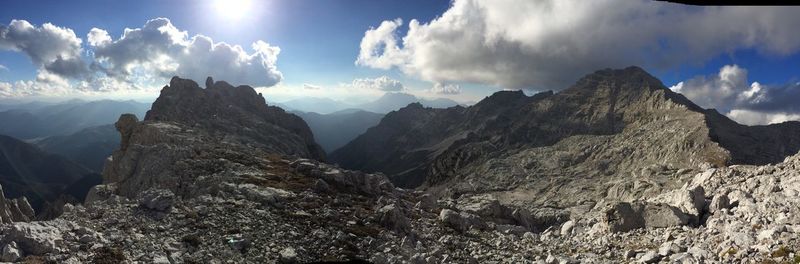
<point x="11" y="253"/>
<point x="244" y="203"/>
<point x="15" y="210"/>
<point x="584" y="143"/>
<point x="624" y="217"/>
<point x="462" y="221"/>
<point x="157" y="199"/>
<point x="236" y="113"/>
<point x="393" y="218"/>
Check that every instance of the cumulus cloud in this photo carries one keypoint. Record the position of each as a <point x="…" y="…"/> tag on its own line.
<point x="440" y="88"/>
<point x="161" y="49"/>
<point x="49" y="85"/>
<point x="549" y="44"/>
<point x="382" y="83"/>
<point x="751" y="117"/>
<point x="748" y="103"/>
<point x="311" y="87"/>
<point x="54" y="49"/>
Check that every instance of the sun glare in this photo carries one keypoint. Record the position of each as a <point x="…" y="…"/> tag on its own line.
<point x="232" y="9"/>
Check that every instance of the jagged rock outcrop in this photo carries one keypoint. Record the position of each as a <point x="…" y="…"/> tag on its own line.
<point x="191" y="133"/>
<point x="616" y="134"/>
<point x="235" y="114"/>
<point x="15" y="210"/>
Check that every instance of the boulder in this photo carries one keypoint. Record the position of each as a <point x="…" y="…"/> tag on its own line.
<point x="623" y="217"/>
<point x="663" y="215"/>
<point x="157" y="199"/>
<point x="10" y="253"/>
<point x="460" y="221"/>
<point x="393" y="218"/>
<point x="288" y="255"/>
<point x="490" y="209"/>
<point x="718" y="203"/>
<point x="100" y="192"/>
<point x="689" y="199"/>
<point x="36" y="238"/>
<point x="566" y="228"/>
<point x="261" y="194"/>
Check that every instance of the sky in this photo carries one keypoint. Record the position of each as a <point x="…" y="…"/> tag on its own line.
<point x="741" y="61"/>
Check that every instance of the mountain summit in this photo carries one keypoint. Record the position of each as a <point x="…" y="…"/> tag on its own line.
<point x="237" y="112"/>
<point x="612" y="128"/>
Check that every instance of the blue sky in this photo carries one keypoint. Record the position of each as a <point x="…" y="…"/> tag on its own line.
<point x="474" y="48"/>
<point x="319" y="39"/>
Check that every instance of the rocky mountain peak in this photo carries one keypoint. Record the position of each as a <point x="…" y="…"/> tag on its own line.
<point x="238" y="113"/>
<point x="612" y="126"/>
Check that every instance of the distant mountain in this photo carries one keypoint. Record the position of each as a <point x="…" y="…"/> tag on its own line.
<point x="89" y="147"/>
<point x="393" y="101"/>
<point x="334" y="130"/>
<point x="314" y="104"/>
<point x="41" y="177"/>
<point x="44" y="120"/>
<point x="610" y="132"/>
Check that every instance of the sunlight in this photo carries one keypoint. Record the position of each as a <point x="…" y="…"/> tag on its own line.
<point x="232" y="9"/>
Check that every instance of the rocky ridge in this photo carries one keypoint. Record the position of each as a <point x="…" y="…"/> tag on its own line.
<point x="15" y="210"/>
<point x="181" y="193"/>
<point x="616" y="134"/>
<point x="235" y="113"/>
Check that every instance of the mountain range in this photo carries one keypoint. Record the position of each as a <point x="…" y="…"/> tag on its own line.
<point x="41" y="177"/>
<point x="336" y="129"/>
<point x="616" y="168"/>
<point x="560" y="149"/>
<point x="386" y="103"/>
<point x="37" y="120"/>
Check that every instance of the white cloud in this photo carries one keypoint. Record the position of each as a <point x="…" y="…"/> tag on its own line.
<point x="53" y="49"/>
<point x="51" y="85"/>
<point x="139" y="60"/>
<point x="98" y="37"/>
<point x="727" y="89"/>
<point x="3" y="67"/>
<point x="751" y="117"/>
<point x="748" y="103"/>
<point x="382" y="83"/>
<point x="548" y="44"/>
<point x="311" y="87"/>
<point x="159" y="49"/>
<point x="440" y="88"/>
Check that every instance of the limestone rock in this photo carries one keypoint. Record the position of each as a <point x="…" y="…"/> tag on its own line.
<point x="36" y="237"/>
<point x="623" y="217"/>
<point x="393" y="218"/>
<point x="10" y="252"/>
<point x="157" y="199"/>
<point x="223" y="108"/>
<point x="460" y="221"/>
<point x="15" y="210"/>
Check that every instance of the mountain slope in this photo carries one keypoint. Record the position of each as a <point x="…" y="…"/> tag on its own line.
<point x="41" y="177"/>
<point x="612" y="128"/>
<point x="393" y="101"/>
<point x="89" y="147"/>
<point x="238" y="112"/>
<point x="314" y="104"/>
<point x="44" y="120"/>
<point x="336" y="129"/>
